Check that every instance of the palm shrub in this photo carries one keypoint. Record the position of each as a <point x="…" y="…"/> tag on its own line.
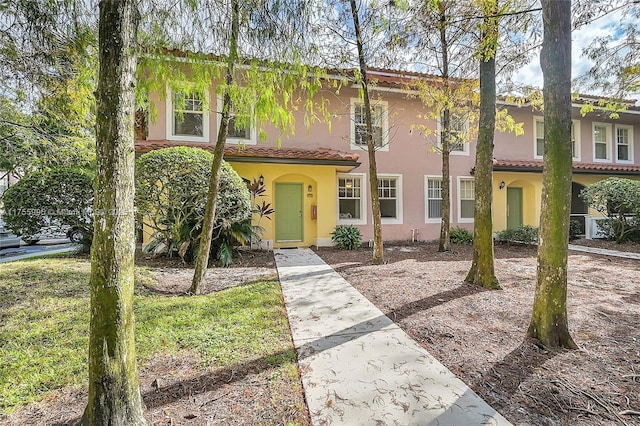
<point x="171" y="194"/>
<point x="460" y="236"/>
<point x="523" y="234"/>
<point x="347" y="237"/>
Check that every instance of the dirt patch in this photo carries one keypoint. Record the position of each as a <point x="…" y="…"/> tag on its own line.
<point x="480" y="335"/>
<point x="174" y="276"/>
<point x="628" y="246"/>
<point x="179" y="391"/>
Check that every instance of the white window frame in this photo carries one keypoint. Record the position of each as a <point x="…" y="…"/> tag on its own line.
<point x="465" y="146"/>
<point x="170" y="120"/>
<point x="385" y="124"/>
<point x="537" y="119"/>
<point x="253" y="139"/>
<point x="575" y="127"/>
<point x="428" y="219"/>
<point x="363" y="199"/>
<point x="398" y="220"/>
<point x="609" y="142"/>
<point x="630" y="142"/>
<point x="459" y="197"/>
<point x="577" y="140"/>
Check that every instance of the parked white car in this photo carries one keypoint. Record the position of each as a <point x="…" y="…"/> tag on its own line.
<point x="8" y="239"/>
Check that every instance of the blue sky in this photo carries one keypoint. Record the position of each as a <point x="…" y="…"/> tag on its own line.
<point x="609" y="25"/>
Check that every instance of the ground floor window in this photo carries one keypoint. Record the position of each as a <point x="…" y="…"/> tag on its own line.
<point x="467" y="195"/>
<point x="351" y="200"/>
<point x="434" y="198"/>
<point x="389" y="194"/>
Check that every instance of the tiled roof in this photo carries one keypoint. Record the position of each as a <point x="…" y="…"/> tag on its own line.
<point x="257" y="153"/>
<point x="578" y="167"/>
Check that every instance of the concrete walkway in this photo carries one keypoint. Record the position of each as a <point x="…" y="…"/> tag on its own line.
<point x="357" y="366"/>
<point x="605" y="252"/>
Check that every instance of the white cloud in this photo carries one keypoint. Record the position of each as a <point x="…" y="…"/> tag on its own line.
<point x="609" y="25"/>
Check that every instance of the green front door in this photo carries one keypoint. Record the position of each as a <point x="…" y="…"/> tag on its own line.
<point x="514" y="208"/>
<point x="288" y="206"/>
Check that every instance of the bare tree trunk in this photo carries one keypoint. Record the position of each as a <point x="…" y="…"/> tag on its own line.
<point x="482" y="270"/>
<point x="549" y="322"/>
<point x="202" y="261"/>
<point x="445" y="139"/>
<point x="114" y="392"/>
<point x="378" y="248"/>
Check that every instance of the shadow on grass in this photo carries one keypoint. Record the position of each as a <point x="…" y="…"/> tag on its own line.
<point x="25" y="287"/>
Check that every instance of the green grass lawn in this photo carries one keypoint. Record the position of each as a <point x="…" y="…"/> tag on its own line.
<point x="44" y="322"/>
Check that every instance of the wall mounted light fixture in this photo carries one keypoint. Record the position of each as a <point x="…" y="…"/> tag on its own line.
<point x="502" y="185"/>
<point x="261" y="180"/>
<point x="309" y="188"/>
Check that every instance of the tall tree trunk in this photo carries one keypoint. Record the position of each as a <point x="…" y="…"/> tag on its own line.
<point x="549" y="322"/>
<point x="482" y="270"/>
<point x="114" y="392"/>
<point x="378" y="248"/>
<point x="445" y="138"/>
<point x="202" y="261"/>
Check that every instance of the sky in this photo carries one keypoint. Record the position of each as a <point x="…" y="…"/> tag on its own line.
<point x="531" y="74"/>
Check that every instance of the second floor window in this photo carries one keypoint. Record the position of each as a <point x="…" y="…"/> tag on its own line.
<point x="539" y="138"/>
<point x="188" y="118"/>
<point x="188" y="115"/>
<point x="601" y="142"/>
<point x="624" y="143"/>
<point x="239" y="131"/>
<point x="379" y="122"/>
<point x="459" y="129"/>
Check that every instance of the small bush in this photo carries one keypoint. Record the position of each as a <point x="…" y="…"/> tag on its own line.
<point x="347" y="237"/>
<point x="523" y="234"/>
<point x="619" y="200"/>
<point x="460" y="236"/>
<point x="575" y="229"/>
<point x="171" y="194"/>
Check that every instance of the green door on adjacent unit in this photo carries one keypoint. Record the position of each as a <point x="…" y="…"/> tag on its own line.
<point x="288" y="206"/>
<point x="514" y="208"/>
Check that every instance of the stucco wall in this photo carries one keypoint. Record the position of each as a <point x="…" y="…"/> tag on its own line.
<point x="410" y="156"/>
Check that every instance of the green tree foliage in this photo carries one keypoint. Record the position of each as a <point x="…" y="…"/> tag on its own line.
<point x="619" y="200"/>
<point x="48" y="69"/>
<point x="171" y="193"/>
<point x="60" y="197"/>
<point x="615" y="56"/>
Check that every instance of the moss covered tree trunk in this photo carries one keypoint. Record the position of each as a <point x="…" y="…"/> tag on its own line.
<point x="444" y="243"/>
<point x="549" y="322"/>
<point x="114" y="393"/>
<point x="206" y="235"/>
<point x="378" y="248"/>
<point x="482" y="270"/>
